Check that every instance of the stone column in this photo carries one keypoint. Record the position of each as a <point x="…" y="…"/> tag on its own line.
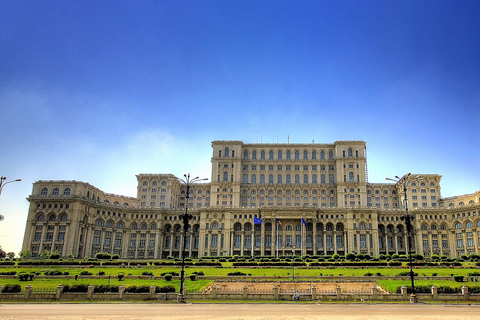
<point x="121" y="291"/>
<point x="275" y="293"/>
<point x="245" y="293"/>
<point x="90" y="290"/>
<point x="58" y="292"/>
<point x="314" y="293"/>
<point x="404" y="292"/>
<point x="374" y="293"/>
<point x="214" y="292"/>
<point x="434" y="292"/>
<point x="465" y="292"/>
<point x="28" y="291"/>
<point x="152" y="292"/>
<point x="339" y="292"/>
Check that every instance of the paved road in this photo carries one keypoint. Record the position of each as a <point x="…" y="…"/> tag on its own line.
<point x="236" y="311"/>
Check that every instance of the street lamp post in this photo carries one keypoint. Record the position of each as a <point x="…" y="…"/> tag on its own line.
<point x="408" y="218"/>
<point x="2" y="184"/>
<point x="185" y="217"/>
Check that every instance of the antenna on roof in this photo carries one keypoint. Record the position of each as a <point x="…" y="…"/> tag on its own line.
<point x="288" y="139"/>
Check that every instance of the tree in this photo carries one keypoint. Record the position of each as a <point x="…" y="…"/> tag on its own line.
<point x="11" y="255"/>
<point x="44" y="255"/>
<point x="3" y="254"/>
<point x="24" y="255"/>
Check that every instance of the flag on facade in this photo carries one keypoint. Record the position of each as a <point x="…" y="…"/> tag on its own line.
<point x="278" y="221"/>
<point x="304" y="222"/>
<point x="257" y="220"/>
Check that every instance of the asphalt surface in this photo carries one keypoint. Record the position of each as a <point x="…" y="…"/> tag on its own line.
<point x="139" y="311"/>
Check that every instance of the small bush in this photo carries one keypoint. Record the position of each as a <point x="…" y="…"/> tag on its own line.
<point x="12" y="288"/>
<point x="165" y="289"/>
<point x="168" y="277"/>
<point x="86" y="273"/>
<point x="82" y="288"/>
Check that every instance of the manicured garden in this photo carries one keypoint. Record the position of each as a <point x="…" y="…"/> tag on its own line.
<point x="110" y="273"/>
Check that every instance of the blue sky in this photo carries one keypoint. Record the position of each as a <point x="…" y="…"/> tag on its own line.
<point x="99" y="91"/>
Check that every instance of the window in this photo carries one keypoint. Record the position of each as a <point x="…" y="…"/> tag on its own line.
<point x="279" y="155"/>
<point x="55" y="192"/>
<point x="270" y="155"/>
<point x="305" y="155"/>
<point x="66" y="192"/>
<point x="44" y="192"/>
<point x="297" y="155"/>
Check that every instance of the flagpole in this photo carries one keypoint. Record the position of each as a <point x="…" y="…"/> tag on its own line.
<point x="253" y="236"/>
<point x="276" y="237"/>
<point x="301" y="235"/>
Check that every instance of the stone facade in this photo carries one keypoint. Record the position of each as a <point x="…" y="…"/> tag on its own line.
<point x="311" y="198"/>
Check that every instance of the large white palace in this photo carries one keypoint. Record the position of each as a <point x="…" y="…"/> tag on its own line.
<point x="310" y="199"/>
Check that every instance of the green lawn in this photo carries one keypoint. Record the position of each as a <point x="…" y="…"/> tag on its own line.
<point x="131" y="275"/>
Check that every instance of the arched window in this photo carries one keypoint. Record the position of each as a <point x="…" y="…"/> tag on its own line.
<point x="330" y="155"/>
<point x="322" y="178"/>
<point x="298" y="227"/>
<point x="268" y="226"/>
<point x="214" y="226"/>
<point x="270" y="155"/>
<point x="322" y="155"/>
<point x="458" y="225"/>
<point x="270" y="178"/>
<point x="350" y="152"/>
<point x="262" y="155"/>
<point x="109" y="224"/>
<point x="305" y="155"/>
<point x="297" y="155"/>
<point x="245" y="155"/>
<point x="52" y="217"/>
<point x="444" y="227"/>
<point x="362" y="226"/>
<point x="254" y="178"/>
<point x="279" y="155"/>
<point x="262" y="179"/>
<point x="288" y="179"/>
<point x="314" y="178"/>
<point x="254" y="155"/>
<point x="433" y="227"/>
<point x="225" y="176"/>
<point x="288" y="155"/>
<point x="134" y="226"/>
<point x="424" y="227"/>
<point x="98" y="223"/>
<point x="468" y="224"/>
<point x="168" y="228"/>
<point x="143" y="226"/>
<point x="116" y="203"/>
<point x="288" y="227"/>
<point x="314" y="155"/>
<point x="279" y="178"/>
<point x="248" y="227"/>
<point x="305" y="178"/>
<point x="119" y="225"/>
<point x="41" y="217"/>
<point x="329" y="227"/>
<point x="237" y="227"/>
<point x="66" y="192"/>
<point x="297" y="178"/>
<point x="478" y="223"/>
<point x="55" y="192"/>
<point x="350" y="176"/>
<point x="44" y="192"/>
<point x="245" y="178"/>
<point x="63" y="217"/>
<point x="153" y="226"/>
<point x="177" y="228"/>
<point x="227" y="152"/>
<point x="319" y="227"/>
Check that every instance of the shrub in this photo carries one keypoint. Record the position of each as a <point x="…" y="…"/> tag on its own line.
<point x="106" y="288"/>
<point x="12" y="288"/>
<point x="139" y="289"/>
<point x="85" y="273"/>
<point x="165" y="289"/>
<point x="458" y="278"/>
<point x="168" y="277"/>
<point x="146" y="273"/>
<point x="83" y="288"/>
<point x="193" y="277"/>
<point x="350" y="256"/>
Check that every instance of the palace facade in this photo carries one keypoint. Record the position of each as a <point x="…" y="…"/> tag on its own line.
<point x="310" y="198"/>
